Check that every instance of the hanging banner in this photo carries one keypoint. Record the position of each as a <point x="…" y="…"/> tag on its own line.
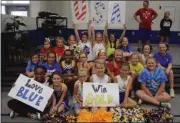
<point x="99" y="10"/>
<point x="116" y="14"/>
<point x="100" y="95"/>
<point x="80" y="13"/>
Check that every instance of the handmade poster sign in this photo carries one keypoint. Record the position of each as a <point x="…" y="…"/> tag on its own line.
<point x="80" y="13"/>
<point x="116" y="13"/>
<point x="31" y="92"/>
<point x="99" y="12"/>
<point x="100" y="95"/>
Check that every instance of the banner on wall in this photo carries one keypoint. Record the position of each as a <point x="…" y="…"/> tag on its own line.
<point x="99" y="13"/>
<point x="80" y="13"/>
<point x="31" y="92"/>
<point x="116" y="13"/>
<point x="100" y="95"/>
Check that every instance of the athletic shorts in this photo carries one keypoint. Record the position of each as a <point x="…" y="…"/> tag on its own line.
<point x="144" y="34"/>
<point x="121" y="97"/>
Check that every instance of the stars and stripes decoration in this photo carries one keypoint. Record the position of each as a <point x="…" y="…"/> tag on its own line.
<point x="115" y="14"/>
<point x="78" y="15"/>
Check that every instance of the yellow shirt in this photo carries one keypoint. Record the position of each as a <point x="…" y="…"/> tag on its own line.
<point x="138" y="68"/>
<point x="109" y="49"/>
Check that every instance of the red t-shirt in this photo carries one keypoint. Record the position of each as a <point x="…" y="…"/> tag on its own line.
<point x="59" y="50"/>
<point x="113" y="69"/>
<point x="44" y="51"/>
<point x="145" y="17"/>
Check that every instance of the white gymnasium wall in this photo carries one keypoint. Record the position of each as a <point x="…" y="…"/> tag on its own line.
<point x="63" y="8"/>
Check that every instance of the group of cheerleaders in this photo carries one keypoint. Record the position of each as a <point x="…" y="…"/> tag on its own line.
<point x="97" y="57"/>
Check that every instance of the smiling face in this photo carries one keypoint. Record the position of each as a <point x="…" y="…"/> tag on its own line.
<point x="83" y="75"/>
<point x="112" y="38"/>
<point x="118" y="55"/>
<point x="35" y="59"/>
<point x="84" y="38"/>
<point x="51" y="58"/>
<point x="68" y="56"/>
<point x="134" y="59"/>
<point x="100" y="69"/>
<point x="124" y="42"/>
<point x="124" y="70"/>
<point x="99" y="37"/>
<point x="39" y="75"/>
<point x="47" y="45"/>
<point x="83" y="57"/>
<point x="162" y="48"/>
<point x="167" y="14"/>
<point x="101" y="55"/>
<point x="146" y="49"/>
<point x="151" y="64"/>
<point x="59" y="42"/>
<point x="72" y="40"/>
<point x="57" y="79"/>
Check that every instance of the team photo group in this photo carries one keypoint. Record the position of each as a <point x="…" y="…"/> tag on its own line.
<point x="96" y="76"/>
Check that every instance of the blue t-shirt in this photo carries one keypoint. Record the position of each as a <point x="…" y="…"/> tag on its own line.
<point x="163" y="60"/>
<point x="126" y="49"/>
<point x="55" y="67"/>
<point x="152" y="80"/>
<point x="31" y="66"/>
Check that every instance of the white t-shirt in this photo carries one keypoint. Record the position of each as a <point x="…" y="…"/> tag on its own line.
<point x="97" y="47"/>
<point x="87" y="48"/>
<point x="122" y="83"/>
<point x="104" y="79"/>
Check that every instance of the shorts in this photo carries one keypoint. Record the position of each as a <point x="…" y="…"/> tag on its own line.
<point x="121" y="97"/>
<point x="165" y="33"/>
<point x="144" y="34"/>
<point x="76" y="106"/>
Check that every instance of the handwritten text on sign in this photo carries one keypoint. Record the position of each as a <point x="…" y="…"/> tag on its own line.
<point x="100" y="95"/>
<point x="31" y="92"/>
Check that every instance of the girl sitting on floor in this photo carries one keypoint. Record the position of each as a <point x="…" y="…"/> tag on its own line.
<point x="99" y="77"/>
<point x="125" y="85"/>
<point x="78" y="90"/>
<point x="85" y="41"/>
<point x="146" y="53"/>
<point x="51" y="65"/>
<point x="46" y="48"/>
<point x="32" y="63"/>
<point x="125" y="47"/>
<point x="60" y="100"/>
<point x="112" y="43"/>
<point x="114" y="65"/>
<point x="152" y="80"/>
<point x="59" y="48"/>
<point x="164" y="60"/>
<point x="69" y="70"/>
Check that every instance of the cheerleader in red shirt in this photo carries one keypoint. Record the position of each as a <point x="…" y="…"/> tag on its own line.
<point x="46" y="48"/>
<point x="59" y="48"/>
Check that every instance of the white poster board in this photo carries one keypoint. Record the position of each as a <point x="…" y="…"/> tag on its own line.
<point x="116" y="14"/>
<point x="100" y="95"/>
<point x="80" y="13"/>
<point x="31" y="92"/>
<point x="99" y="13"/>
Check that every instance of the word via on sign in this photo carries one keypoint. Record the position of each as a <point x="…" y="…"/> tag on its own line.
<point x="99" y="87"/>
<point x="98" y="99"/>
<point x="34" y="86"/>
<point x="31" y="96"/>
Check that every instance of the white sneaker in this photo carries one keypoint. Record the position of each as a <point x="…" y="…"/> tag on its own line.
<point x="140" y="101"/>
<point x="13" y="114"/>
<point x="132" y="94"/>
<point x="39" y="116"/>
<point x="166" y="105"/>
<point x="172" y="94"/>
